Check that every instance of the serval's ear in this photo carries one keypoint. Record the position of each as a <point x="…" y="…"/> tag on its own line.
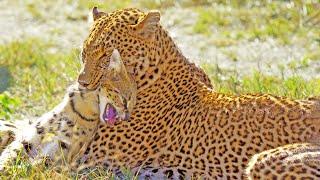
<point x="131" y="94"/>
<point x="147" y="27"/>
<point x="120" y="79"/>
<point x="116" y="64"/>
<point x="96" y="14"/>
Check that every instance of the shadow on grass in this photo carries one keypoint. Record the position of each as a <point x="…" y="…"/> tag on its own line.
<point x="5" y="78"/>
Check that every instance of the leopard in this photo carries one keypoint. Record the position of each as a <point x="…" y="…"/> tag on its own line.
<point x="60" y="136"/>
<point x="181" y="128"/>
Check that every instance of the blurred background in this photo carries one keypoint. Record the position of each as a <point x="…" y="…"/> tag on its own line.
<point x="248" y="46"/>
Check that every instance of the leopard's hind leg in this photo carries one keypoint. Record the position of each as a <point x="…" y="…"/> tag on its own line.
<point x="293" y="161"/>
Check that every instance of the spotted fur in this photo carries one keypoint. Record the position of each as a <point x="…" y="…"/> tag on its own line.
<point x="62" y="135"/>
<point x="286" y="162"/>
<point x="180" y="126"/>
<point x="7" y="135"/>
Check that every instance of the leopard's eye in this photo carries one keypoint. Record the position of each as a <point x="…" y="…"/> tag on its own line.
<point x="104" y="64"/>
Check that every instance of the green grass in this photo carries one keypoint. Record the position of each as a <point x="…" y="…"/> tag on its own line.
<point x="40" y="76"/>
<point x="228" y="81"/>
<point x="8" y="103"/>
<point x="39" y="73"/>
<point x="34" y="11"/>
<point x="22" y="169"/>
<point x="242" y="21"/>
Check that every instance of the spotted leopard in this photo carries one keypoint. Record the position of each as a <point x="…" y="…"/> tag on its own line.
<point x="294" y="161"/>
<point x="180" y="127"/>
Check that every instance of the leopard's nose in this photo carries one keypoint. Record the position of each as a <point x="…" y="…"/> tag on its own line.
<point x="82" y="80"/>
<point x="83" y="83"/>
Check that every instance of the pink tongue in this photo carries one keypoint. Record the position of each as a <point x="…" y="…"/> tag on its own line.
<point x="110" y="115"/>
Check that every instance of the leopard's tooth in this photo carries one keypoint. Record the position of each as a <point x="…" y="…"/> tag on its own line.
<point x="107" y="107"/>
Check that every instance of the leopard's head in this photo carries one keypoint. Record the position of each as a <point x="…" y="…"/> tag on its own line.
<point x="133" y="33"/>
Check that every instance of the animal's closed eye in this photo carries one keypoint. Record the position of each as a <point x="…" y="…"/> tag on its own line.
<point x="116" y="90"/>
<point x="104" y="64"/>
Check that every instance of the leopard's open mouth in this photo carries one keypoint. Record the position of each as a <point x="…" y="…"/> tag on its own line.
<point x="110" y="114"/>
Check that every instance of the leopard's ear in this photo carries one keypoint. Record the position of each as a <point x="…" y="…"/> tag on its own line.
<point x="96" y="14"/>
<point x="147" y="27"/>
